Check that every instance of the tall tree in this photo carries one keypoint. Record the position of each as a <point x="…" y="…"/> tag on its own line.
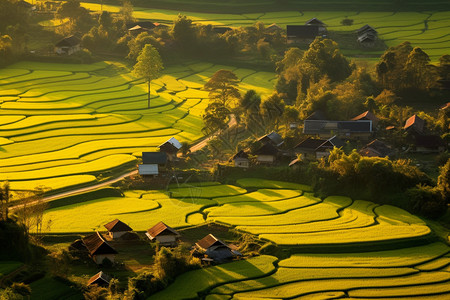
<point x="444" y="182"/>
<point x="148" y="66"/>
<point x="5" y="196"/>
<point x="223" y="86"/>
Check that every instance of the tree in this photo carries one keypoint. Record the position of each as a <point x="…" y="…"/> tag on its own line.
<point x="223" y="86"/>
<point x="215" y="117"/>
<point x="443" y="184"/>
<point x="5" y="197"/>
<point x="148" y="66"/>
<point x="135" y="45"/>
<point x="31" y="210"/>
<point x="183" y="32"/>
<point x="272" y="109"/>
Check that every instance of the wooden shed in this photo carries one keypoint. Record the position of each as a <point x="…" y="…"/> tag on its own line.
<point x="267" y="153"/>
<point x="98" y="248"/>
<point x="151" y="163"/>
<point x="240" y="159"/>
<point x="100" y="279"/>
<point x="117" y="228"/>
<point x="214" y="248"/>
<point x="170" y="147"/>
<point x="164" y="234"/>
<point x="68" y="45"/>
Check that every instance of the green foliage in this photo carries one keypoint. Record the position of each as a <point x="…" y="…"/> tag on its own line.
<point x="443" y="184"/>
<point x="427" y="201"/>
<point x="223" y="86"/>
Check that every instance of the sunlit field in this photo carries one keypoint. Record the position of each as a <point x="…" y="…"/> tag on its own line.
<point x="63" y="128"/>
<point x="337" y="243"/>
<point x="428" y="30"/>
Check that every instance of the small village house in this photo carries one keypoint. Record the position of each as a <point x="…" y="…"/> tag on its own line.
<point x="312" y="149"/>
<point x="214" y="248"/>
<point x="376" y="148"/>
<point x="164" y="234"/>
<point x="414" y="125"/>
<point x="273" y="138"/>
<point x="100" y="279"/>
<point x="266" y="154"/>
<point x="98" y="248"/>
<point x="301" y="34"/>
<point x="152" y="162"/>
<point x="117" y="228"/>
<point x="367" y="40"/>
<point x="68" y="45"/>
<point x="240" y="159"/>
<point x="367" y="115"/>
<point x="317" y="23"/>
<point x="273" y="28"/>
<point x="342" y="129"/>
<point x="366" y="29"/>
<point x="137" y="29"/>
<point x="171" y="148"/>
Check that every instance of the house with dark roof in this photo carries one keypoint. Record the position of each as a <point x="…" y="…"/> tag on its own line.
<point x="68" y="45"/>
<point x="312" y="148"/>
<point x="151" y="163"/>
<point x="367" y="115"/>
<point x="301" y="34"/>
<point x="342" y="129"/>
<point x="214" y="248"/>
<point x="137" y="29"/>
<point x="266" y="154"/>
<point x="317" y="115"/>
<point x="100" y="279"/>
<point x="170" y="147"/>
<point x="98" y="248"/>
<point x="366" y="29"/>
<point x="376" y="148"/>
<point x="414" y="125"/>
<point x="319" y="24"/>
<point x="240" y="159"/>
<point x="273" y="138"/>
<point x="429" y="144"/>
<point x="164" y="234"/>
<point x="273" y="28"/>
<point x="367" y="40"/>
<point x="117" y="228"/>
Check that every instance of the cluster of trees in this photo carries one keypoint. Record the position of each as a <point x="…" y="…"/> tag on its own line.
<point x="14" y="20"/>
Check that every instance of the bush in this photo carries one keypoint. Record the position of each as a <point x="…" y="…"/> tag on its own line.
<point x="427" y="201"/>
<point x="347" y="22"/>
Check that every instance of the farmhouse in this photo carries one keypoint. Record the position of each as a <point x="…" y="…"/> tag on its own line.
<point x="317" y="23"/>
<point x="151" y="162"/>
<point x="273" y="28"/>
<point x="273" y="138"/>
<point x="240" y="159"/>
<point x="100" y="279"/>
<point x="266" y="153"/>
<point x="117" y="228"/>
<point x="366" y="29"/>
<point x="346" y="129"/>
<point x="367" y="40"/>
<point x="164" y="234"/>
<point x="214" y="248"/>
<point x="170" y="147"/>
<point x="68" y="45"/>
<point x="98" y="248"/>
<point x="317" y="148"/>
<point x="376" y="148"/>
<point x="301" y="34"/>
<point x="367" y="115"/>
<point x="414" y="125"/>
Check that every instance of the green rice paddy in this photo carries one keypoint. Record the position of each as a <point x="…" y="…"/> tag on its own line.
<point x="62" y="128"/>
<point x="427" y="29"/>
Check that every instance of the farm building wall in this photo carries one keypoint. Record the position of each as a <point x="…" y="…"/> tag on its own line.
<point x="266" y="158"/>
<point x="99" y="258"/>
<point x="166" y="239"/>
<point x="116" y="235"/>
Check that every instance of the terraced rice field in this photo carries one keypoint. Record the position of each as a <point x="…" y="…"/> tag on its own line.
<point x="371" y="275"/>
<point x="285" y="214"/>
<point x="62" y="129"/>
<point x="428" y="30"/>
<point x="282" y="213"/>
